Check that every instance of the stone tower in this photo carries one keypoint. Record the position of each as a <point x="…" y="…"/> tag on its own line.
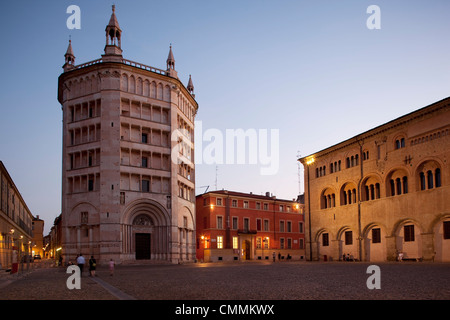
<point x="128" y="187"/>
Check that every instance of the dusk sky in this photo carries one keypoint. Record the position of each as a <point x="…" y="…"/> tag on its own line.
<point x="312" y="70"/>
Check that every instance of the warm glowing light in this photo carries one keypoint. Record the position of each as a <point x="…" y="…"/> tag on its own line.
<point x="202" y="237"/>
<point x="58" y="249"/>
<point x="310" y="161"/>
<point x="211" y="206"/>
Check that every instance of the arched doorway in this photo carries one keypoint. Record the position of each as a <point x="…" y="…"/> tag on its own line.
<point x="145" y="232"/>
<point x="142" y="229"/>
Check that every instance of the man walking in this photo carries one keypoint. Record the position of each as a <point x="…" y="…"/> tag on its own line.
<point x="80" y="262"/>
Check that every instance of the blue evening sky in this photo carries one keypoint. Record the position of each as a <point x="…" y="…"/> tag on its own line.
<point x="310" y="69"/>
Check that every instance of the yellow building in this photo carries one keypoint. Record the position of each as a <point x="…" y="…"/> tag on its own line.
<point x="383" y="194"/>
<point x="37" y="242"/>
<point x="15" y="223"/>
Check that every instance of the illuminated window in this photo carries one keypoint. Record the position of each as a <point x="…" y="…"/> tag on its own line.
<point x="235" y="243"/>
<point x="266" y="242"/>
<point x="219" y="242"/>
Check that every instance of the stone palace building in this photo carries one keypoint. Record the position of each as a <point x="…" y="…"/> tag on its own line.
<point x="383" y="192"/>
<point x="126" y="194"/>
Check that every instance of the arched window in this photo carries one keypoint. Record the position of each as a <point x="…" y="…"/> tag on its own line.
<point x="328" y="199"/>
<point x="422" y="181"/>
<point x="430" y="179"/>
<point x="405" y="184"/>
<point x="399" y="186"/>
<point x="397" y="183"/>
<point x="437" y="177"/>
<point x="429" y="175"/>
<point x="370" y="189"/>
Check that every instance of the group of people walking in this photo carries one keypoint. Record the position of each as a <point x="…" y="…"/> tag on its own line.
<point x="81" y="261"/>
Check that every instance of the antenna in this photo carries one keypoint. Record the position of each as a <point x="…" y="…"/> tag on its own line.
<point x="299" y="173"/>
<point x="207" y="187"/>
<point x="217" y="170"/>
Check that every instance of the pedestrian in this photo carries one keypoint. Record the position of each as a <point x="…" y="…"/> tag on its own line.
<point x="80" y="262"/>
<point x="60" y="260"/>
<point x="111" y="267"/>
<point x="92" y="266"/>
<point x="273" y="255"/>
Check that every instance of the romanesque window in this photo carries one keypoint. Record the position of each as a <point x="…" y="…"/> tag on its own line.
<point x="328" y="199"/>
<point x="348" y="194"/>
<point x="398" y="183"/>
<point x="370" y="189"/>
<point x="366" y="155"/>
<point x="321" y="171"/>
<point x="429" y="175"/>
<point x="400" y="143"/>
<point x="335" y="166"/>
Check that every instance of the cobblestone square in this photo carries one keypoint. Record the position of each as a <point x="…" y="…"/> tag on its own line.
<point x="236" y="281"/>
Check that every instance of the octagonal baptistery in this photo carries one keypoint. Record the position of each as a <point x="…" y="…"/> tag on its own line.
<point x="128" y="158"/>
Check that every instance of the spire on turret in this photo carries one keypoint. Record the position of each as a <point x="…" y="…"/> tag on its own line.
<point x="190" y="87"/>
<point x="170" y="59"/>
<point x="69" y="58"/>
<point x="113" y="35"/>
<point x="171" y="72"/>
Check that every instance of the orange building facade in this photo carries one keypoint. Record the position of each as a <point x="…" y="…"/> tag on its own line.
<point x="234" y="226"/>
